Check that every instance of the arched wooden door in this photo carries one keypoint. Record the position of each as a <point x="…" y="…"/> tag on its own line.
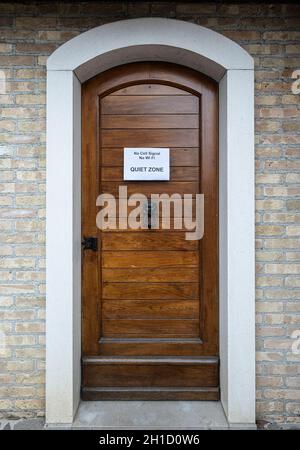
<point x="150" y="297"/>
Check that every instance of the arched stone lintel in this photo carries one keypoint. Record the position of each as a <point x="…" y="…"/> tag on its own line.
<point x="154" y="39"/>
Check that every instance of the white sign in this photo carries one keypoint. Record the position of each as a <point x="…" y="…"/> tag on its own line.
<point x="146" y="164"/>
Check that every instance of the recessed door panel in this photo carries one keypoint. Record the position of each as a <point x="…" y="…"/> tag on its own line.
<point x="150" y="306"/>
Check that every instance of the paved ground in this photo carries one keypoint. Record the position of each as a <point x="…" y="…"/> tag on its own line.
<point x="22" y="424"/>
<point x="39" y="424"/>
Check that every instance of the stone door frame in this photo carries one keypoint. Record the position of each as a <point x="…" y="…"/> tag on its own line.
<point x="110" y="45"/>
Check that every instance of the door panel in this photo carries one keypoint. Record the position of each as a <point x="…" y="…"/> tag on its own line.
<point x="140" y="104"/>
<point x="169" y="121"/>
<point x="155" y="138"/>
<point x="149" y="297"/>
<point x="157" y="308"/>
<point x="178" y="157"/>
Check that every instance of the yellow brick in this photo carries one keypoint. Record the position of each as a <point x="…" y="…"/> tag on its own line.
<point x="32" y="126"/>
<point x="277" y="344"/>
<point x="20" y="391"/>
<point x="13" y="60"/>
<point x="16" y="289"/>
<point x="267" y="100"/>
<point x="274" y="319"/>
<point x="21" y="86"/>
<point x="293" y="408"/>
<point x="269" y="204"/>
<point x="30" y="276"/>
<point x="30" y="251"/>
<point x="19" y="112"/>
<point x="263" y="126"/>
<point x="269" y="356"/>
<point x="265" y="330"/>
<point x="292" y="282"/>
<point x="19" y="366"/>
<point x="32" y="378"/>
<point x="279" y="217"/>
<point x="6" y="250"/>
<point x="30" y="302"/>
<point x="30" y="404"/>
<point x="269" y="407"/>
<point x="293" y="256"/>
<point x="292" y="48"/>
<point x="270" y="230"/>
<point x="15" y="263"/>
<point x="18" y="339"/>
<point x="7" y="125"/>
<point x="281" y="294"/>
<point x="269" y="381"/>
<point x="6" y="405"/>
<point x="269" y="307"/>
<point x="293" y="306"/>
<point x="30" y="225"/>
<point x="17" y="315"/>
<point x="290" y="99"/>
<point x="34" y="23"/>
<point x="283" y="268"/>
<point x="287" y="394"/>
<point x="23" y="188"/>
<point x="35" y="200"/>
<point x="30" y="353"/>
<point x="31" y="175"/>
<point x="269" y="281"/>
<point x="269" y="178"/>
<point x="293" y="178"/>
<point x="7" y="188"/>
<point x="293" y="230"/>
<point x="292" y="319"/>
<point x="282" y="243"/>
<point x="30" y="73"/>
<point x="6" y="301"/>
<point x="30" y="327"/>
<point x="30" y="99"/>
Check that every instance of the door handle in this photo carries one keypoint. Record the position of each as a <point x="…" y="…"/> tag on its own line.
<point x="89" y="243"/>
<point x="149" y="214"/>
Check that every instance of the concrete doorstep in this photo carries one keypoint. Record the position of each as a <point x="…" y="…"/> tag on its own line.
<point x="155" y="415"/>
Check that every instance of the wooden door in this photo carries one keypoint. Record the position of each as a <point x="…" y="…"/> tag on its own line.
<point x="150" y="297"/>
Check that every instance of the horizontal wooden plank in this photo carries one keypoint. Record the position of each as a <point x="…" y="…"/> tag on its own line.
<point x="151" y="309"/>
<point x="186" y="121"/>
<point x="168" y="225"/>
<point x="141" y="360"/>
<point x="154" y="327"/>
<point x="150" y="375"/>
<point x="178" y="156"/>
<point x="186" y="346"/>
<point x="157" y="258"/>
<point x="149" y="187"/>
<point x="183" y="394"/>
<point x="177" y="173"/>
<point x="153" y="274"/>
<point x="147" y="104"/>
<point x="150" y="138"/>
<point x="147" y="241"/>
<point x="174" y="210"/>
<point x="159" y="291"/>
<point x="150" y="89"/>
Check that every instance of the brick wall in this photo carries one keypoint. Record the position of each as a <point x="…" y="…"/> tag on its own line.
<point x="28" y="34"/>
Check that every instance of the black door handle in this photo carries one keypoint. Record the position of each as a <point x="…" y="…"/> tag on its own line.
<point x="149" y="214"/>
<point x="89" y="243"/>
